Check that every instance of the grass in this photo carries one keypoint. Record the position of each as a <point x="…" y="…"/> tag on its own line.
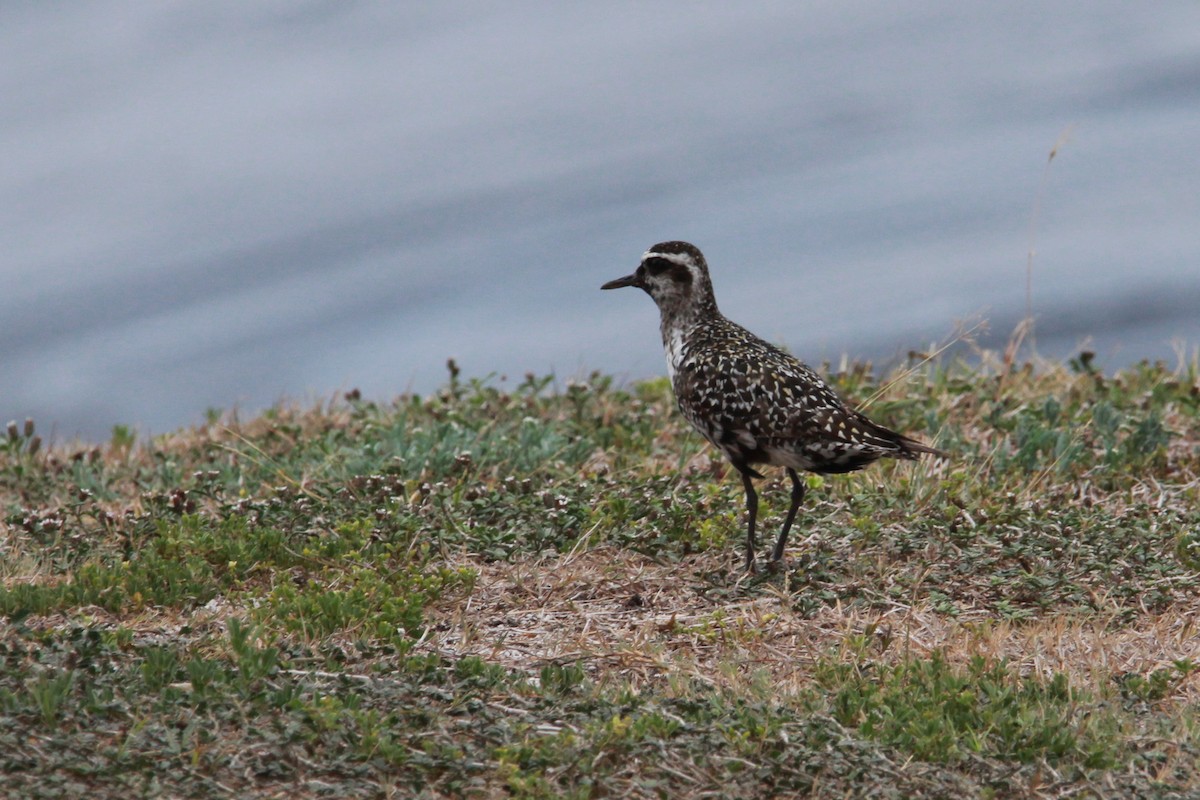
<point x="533" y="591"/>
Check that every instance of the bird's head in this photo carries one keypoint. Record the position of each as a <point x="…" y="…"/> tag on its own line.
<point x="675" y="275"/>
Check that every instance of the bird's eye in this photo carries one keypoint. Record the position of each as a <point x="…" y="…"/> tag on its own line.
<point x="657" y="265"/>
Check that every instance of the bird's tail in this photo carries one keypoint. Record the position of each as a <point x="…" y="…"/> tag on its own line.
<point x="912" y="449"/>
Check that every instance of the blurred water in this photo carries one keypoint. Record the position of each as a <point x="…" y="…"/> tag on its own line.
<point x="219" y="204"/>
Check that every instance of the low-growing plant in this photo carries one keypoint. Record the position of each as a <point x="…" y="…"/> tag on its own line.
<point x="530" y="588"/>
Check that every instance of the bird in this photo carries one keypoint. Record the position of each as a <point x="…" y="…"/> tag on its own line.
<point x="755" y="403"/>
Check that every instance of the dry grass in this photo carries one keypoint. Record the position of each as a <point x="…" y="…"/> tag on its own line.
<point x="516" y="592"/>
<point x="624" y="614"/>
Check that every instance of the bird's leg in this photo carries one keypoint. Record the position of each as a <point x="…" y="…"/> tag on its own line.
<point x="797" y="496"/>
<point x="752" y="513"/>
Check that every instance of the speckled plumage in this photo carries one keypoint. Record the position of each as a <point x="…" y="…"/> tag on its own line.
<point x="754" y="402"/>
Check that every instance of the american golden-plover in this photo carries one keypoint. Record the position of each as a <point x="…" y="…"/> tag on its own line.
<point x="754" y="402"/>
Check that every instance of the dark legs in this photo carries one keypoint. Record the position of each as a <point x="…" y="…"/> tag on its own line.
<point x="752" y="515"/>
<point x="752" y="512"/>
<point x="797" y="498"/>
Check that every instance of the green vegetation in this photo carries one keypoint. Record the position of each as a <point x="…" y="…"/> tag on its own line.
<point x="532" y="591"/>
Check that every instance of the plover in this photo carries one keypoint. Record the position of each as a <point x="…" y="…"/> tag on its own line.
<point x="754" y="402"/>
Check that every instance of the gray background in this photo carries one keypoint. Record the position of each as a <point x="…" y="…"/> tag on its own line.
<point x="219" y="204"/>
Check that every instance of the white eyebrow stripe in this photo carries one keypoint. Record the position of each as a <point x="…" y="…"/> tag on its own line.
<point x="682" y="259"/>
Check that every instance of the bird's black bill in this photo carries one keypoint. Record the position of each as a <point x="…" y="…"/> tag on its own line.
<point x="628" y="280"/>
